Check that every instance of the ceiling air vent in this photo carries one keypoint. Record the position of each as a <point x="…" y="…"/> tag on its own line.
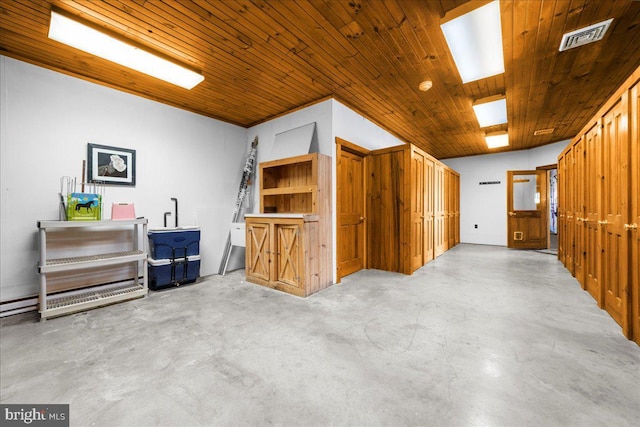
<point x="585" y="35"/>
<point x="547" y="131"/>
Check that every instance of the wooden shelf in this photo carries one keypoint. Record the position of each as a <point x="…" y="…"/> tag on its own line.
<point x="289" y="190"/>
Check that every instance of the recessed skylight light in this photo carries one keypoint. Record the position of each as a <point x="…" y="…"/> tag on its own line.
<point x="475" y="40"/>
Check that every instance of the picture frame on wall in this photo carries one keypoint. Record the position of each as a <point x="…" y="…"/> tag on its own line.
<point x="111" y="165"/>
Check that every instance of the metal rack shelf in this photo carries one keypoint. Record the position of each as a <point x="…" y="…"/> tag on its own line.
<point x="95" y="296"/>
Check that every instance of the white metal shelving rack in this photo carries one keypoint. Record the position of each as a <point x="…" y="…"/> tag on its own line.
<point x="83" y="299"/>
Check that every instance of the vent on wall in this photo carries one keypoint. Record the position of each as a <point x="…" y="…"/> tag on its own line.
<point x="585" y="35"/>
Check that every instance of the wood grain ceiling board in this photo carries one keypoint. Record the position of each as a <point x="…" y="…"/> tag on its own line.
<point x="264" y="58"/>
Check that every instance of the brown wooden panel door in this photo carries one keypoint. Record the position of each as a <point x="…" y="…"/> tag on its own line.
<point x="561" y="209"/>
<point x="439" y="229"/>
<point x="351" y="213"/>
<point x="579" y="252"/>
<point x="593" y="194"/>
<point x="570" y="183"/>
<point x="288" y="255"/>
<point x="429" y="212"/>
<point x="615" y="268"/>
<point x="527" y="209"/>
<point x="634" y="225"/>
<point x="418" y="192"/>
<point x="257" y="257"/>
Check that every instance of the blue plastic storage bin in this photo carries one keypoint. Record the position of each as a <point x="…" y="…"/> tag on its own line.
<point x="164" y="273"/>
<point x="168" y="243"/>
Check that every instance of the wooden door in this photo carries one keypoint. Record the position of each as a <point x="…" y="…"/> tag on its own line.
<point x="615" y="268"/>
<point x="527" y="209"/>
<point x="593" y="194"/>
<point x="429" y="211"/>
<point x="439" y="229"/>
<point x="570" y="244"/>
<point x="579" y="252"/>
<point x="634" y="223"/>
<point x="258" y="252"/>
<point x="288" y="257"/>
<point x="351" y="229"/>
<point x="418" y="208"/>
<point x="561" y="209"/>
<point x="456" y="208"/>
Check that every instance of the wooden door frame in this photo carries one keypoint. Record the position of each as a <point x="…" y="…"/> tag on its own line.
<point x="549" y="168"/>
<point x="344" y="145"/>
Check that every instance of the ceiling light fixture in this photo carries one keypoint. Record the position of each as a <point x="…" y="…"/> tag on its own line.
<point x="491" y="111"/>
<point x="474" y="36"/>
<point x="425" y="85"/>
<point x="497" y="139"/>
<point x="71" y="32"/>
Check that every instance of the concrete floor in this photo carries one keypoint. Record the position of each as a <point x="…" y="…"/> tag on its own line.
<point x="481" y="336"/>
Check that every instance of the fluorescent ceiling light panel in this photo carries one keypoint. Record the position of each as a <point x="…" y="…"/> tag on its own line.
<point x="497" y="140"/>
<point x="73" y="33"/>
<point x="491" y="113"/>
<point x="475" y="41"/>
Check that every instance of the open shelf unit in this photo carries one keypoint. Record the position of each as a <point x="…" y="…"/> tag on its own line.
<point x="72" y="301"/>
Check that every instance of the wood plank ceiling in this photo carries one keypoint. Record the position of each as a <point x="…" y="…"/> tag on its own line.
<point x="264" y="58"/>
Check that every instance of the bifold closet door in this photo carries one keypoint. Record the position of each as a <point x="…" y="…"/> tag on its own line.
<point x="439" y="229"/>
<point x="634" y="221"/>
<point x="561" y="209"/>
<point x="418" y="207"/>
<point x="579" y="252"/>
<point x="429" y="213"/>
<point x="615" y="266"/>
<point x="593" y="195"/>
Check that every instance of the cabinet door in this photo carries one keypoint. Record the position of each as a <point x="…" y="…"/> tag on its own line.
<point x="288" y="257"/>
<point x="258" y="251"/>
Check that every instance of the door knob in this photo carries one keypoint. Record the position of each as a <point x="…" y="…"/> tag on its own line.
<point x="605" y="222"/>
<point x="512" y="214"/>
<point x="362" y="218"/>
<point x="628" y="227"/>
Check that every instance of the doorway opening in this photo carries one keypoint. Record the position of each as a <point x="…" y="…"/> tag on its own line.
<point x="552" y="180"/>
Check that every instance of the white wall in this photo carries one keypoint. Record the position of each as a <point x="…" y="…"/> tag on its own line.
<point x="486" y="205"/>
<point x="357" y="129"/>
<point x="47" y="119"/>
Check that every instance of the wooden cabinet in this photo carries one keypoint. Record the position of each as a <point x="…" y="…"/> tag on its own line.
<point x="282" y="252"/>
<point x="412" y="208"/>
<point x="288" y="245"/>
<point x="598" y="205"/>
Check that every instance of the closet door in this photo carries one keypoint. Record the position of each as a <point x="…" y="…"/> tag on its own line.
<point x="593" y="195"/>
<point x="418" y="193"/>
<point x="579" y="252"/>
<point x="615" y="266"/>
<point x="429" y="212"/>
<point x="569" y="186"/>
<point x="561" y="209"/>
<point x="634" y="225"/>
<point x="439" y="228"/>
